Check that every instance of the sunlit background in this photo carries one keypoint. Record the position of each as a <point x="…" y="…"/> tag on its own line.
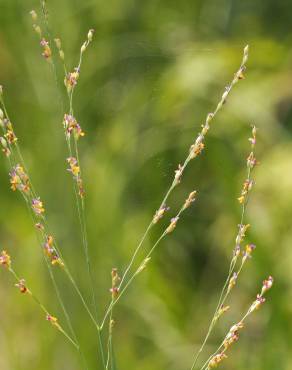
<point x="152" y="73"/>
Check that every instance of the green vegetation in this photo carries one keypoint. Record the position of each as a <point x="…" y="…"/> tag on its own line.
<point x="151" y="74"/>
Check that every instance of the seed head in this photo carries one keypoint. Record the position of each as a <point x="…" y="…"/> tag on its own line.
<point x="47" y="52"/>
<point x="267" y="284"/>
<point x="232" y="281"/>
<point x="90" y="35"/>
<point x="160" y="213"/>
<point x="178" y="174"/>
<point x="249" y="248"/>
<point x="21" y="286"/>
<point x="172" y="225"/>
<point x="191" y="198"/>
<point x="257" y="303"/>
<point x="215" y="360"/>
<point x="5" y="259"/>
<point x="37" y="206"/>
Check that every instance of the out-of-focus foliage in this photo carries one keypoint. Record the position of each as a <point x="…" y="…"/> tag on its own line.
<point x="154" y="70"/>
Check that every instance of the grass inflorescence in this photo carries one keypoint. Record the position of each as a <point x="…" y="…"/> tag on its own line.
<point x="21" y="181"/>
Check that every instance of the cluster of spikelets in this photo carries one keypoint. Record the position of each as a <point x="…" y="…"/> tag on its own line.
<point x="20" y="181"/>
<point x="233" y="334"/>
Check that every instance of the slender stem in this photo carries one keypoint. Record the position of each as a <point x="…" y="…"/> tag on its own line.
<point x="82" y="221"/>
<point x="136" y="273"/>
<point x="109" y="342"/>
<point x="43" y="308"/>
<point x="28" y="200"/>
<point x="205" y="366"/>
<point x="200" y="138"/>
<point x="126" y="286"/>
<point x="224" y="292"/>
<point x="81" y="213"/>
<point x="135" y="254"/>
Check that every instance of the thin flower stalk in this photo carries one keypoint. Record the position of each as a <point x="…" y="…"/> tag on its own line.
<point x="73" y="129"/>
<point x="114" y="294"/>
<point x="73" y="160"/>
<point x="195" y="150"/>
<point x="5" y="261"/>
<point x="232" y="277"/>
<point x="37" y="209"/>
<point x="233" y="334"/>
<point x="168" y="230"/>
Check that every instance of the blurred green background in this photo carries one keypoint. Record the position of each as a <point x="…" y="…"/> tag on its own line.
<point x="154" y="70"/>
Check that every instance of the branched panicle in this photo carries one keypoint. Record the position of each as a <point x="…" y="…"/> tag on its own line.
<point x="5" y="261"/>
<point x="244" y="254"/>
<point x="73" y="132"/>
<point x="21" y="182"/>
<point x="232" y="335"/>
<point x="195" y="150"/>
